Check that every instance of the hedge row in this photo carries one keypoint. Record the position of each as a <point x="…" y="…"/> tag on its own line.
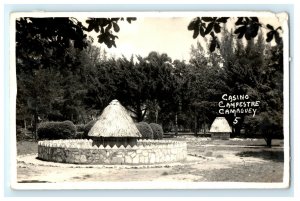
<point x="150" y="131"/>
<point x="157" y="131"/>
<point x="67" y="130"/>
<point x="56" y="130"/>
<point x="145" y="129"/>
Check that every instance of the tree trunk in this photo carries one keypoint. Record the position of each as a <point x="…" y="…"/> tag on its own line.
<point x="195" y="125"/>
<point x="269" y="142"/>
<point x="156" y="115"/>
<point x="35" y="125"/>
<point x="268" y="139"/>
<point x="176" y="125"/>
<point x="25" y="126"/>
<point x="139" y="113"/>
<point x="204" y="130"/>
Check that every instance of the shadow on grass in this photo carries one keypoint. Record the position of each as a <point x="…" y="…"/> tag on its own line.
<point x="263" y="145"/>
<point x="32" y="181"/>
<point x="276" y="156"/>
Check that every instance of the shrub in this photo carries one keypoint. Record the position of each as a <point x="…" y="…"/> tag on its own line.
<point x="56" y="130"/>
<point x="88" y="127"/>
<point x="80" y="135"/>
<point x="80" y="127"/>
<point x="157" y="131"/>
<point x="145" y="130"/>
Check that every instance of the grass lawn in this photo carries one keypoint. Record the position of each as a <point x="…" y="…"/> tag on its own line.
<point x="231" y="160"/>
<point x="26" y="147"/>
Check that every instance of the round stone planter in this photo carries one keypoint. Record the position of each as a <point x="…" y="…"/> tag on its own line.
<point x="83" y="152"/>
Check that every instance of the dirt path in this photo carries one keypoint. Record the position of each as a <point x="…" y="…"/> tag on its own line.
<point x="219" y="166"/>
<point x="230" y="161"/>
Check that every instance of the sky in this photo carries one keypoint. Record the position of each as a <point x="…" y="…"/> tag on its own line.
<point x="162" y="34"/>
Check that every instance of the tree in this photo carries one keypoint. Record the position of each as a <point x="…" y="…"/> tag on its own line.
<point x="207" y="75"/>
<point x="269" y="123"/>
<point x="149" y="86"/>
<point x="255" y="69"/>
<point x="51" y="45"/>
<point x="37" y="94"/>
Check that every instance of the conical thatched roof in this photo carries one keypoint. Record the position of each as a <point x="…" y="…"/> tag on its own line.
<point x="114" y="122"/>
<point x="220" y="125"/>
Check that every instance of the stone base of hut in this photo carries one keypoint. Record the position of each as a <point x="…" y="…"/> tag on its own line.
<point x="112" y="141"/>
<point x="220" y="136"/>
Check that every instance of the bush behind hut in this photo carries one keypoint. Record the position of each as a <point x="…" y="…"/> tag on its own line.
<point x="145" y="129"/>
<point x="157" y="131"/>
<point x="56" y="130"/>
<point x="88" y="127"/>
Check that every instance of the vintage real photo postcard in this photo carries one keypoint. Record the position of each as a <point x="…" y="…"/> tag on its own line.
<point x="149" y="100"/>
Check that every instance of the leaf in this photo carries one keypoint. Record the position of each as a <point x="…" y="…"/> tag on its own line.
<point x="270" y="27"/>
<point x="222" y="19"/>
<point x="101" y="38"/>
<point x="251" y="31"/>
<point x="96" y="28"/>
<point x="241" y="31"/>
<point x="207" y="19"/>
<point x="108" y="27"/>
<point x="114" y="43"/>
<point x="115" y="19"/>
<point x="209" y="28"/>
<point x="194" y="23"/>
<point x="248" y="35"/>
<point x="89" y="21"/>
<point x="191" y="25"/>
<point x="212" y="46"/>
<point x="278" y="39"/>
<point x="108" y="43"/>
<point x="90" y="28"/>
<point x="255" y="19"/>
<point x="196" y="33"/>
<point x="270" y="36"/>
<point x="241" y="35"/>
<point x="239" y="21"/>
<point x="129" y="19"/>
<point x="217" y="45"/>
<point x="217" y="28"/>
<point x="116" y="27"/>
<point x="202" y="32"/>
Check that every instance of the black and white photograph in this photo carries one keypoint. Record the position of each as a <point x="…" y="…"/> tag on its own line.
<point x="154" y="100"/>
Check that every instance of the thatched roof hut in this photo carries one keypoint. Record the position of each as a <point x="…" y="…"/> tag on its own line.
<point x="114" y="127"/>
<point x="220" y="129"/>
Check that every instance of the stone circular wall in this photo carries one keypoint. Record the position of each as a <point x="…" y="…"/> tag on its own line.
<point x="82" y="152"/>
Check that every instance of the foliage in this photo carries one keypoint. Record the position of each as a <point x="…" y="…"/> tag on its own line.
<point x="140" y="86"/>
<point x="269" y="123"/>
<point x="145" y="129"/>
<point x="80" y="127"/>
<point x="247" y="27"/>
<point x="157" y="131"/>
<point x="62" y="76"/>
<point x="49" y="52"/>
<point x="56" y="130"/>
<point x="88" y="127"/>
<point x="105" y="27"/>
